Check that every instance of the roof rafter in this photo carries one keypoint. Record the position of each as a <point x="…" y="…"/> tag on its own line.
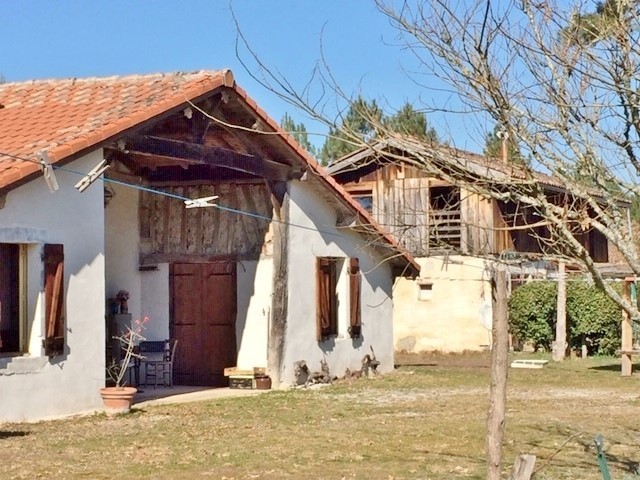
<point x="186" y="153"/>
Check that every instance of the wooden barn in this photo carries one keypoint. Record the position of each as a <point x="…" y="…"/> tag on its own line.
<point x="453" y="232"/>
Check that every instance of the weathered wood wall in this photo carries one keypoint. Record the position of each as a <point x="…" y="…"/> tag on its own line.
<point x="477" y="221"/>
<point x="169" y="231"/>
<point x="478" y="225"/>
<point x="401" y="204"/>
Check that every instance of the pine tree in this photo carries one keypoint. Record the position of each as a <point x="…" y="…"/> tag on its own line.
<point x="359" y="125"/>
<point x="493" y="146"/>
<point x="409" y="121"/>
<point x="299" y="132"/>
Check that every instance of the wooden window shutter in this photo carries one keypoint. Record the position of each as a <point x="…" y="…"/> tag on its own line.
<point x="355" y="309"/>
<point x="54" y="296"/>
<point x="326" y="301"/>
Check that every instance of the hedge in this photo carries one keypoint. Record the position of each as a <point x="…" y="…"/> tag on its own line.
<point x="592" y="316"/>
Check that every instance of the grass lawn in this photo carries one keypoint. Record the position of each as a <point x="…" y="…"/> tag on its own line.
<point x="425" y="421"/>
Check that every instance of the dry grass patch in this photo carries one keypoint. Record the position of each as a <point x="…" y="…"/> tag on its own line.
<point x="422" y="422"/>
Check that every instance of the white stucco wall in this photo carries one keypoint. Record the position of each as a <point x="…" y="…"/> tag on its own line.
<point x="148" y="289"/>
<point x="33" y="385"/>
<point x="122" y="246"/>
<point x="456" y="314"/>
<point x="310" y="210"/>
<point x="154" y="297"/>
<point x="255" y="282"/>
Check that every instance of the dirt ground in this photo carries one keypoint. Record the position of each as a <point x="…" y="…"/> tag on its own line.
<point x="439" y="359"/>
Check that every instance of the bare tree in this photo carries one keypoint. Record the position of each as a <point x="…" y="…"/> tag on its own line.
<point x="560" y="80"/>
<point x="570" y="101"/>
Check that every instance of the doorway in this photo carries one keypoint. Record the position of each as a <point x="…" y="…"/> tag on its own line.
<point x="203" y="320"/>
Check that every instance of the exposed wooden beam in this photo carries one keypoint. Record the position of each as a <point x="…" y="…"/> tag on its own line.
<point x="146" y="260"/>
<point x="209" y="155"/>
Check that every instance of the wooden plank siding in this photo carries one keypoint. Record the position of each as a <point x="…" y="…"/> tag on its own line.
<point x="170" y="231"/>
<point x="401" y="204"/>
<point x="404" y="201"/>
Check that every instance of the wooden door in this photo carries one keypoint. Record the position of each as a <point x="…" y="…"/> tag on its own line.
<point x="203" y="321"/>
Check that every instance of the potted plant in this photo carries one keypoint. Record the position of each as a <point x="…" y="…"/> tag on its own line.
<point x="119" y="397"/>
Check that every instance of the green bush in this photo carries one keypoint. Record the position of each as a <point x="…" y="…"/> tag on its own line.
<point x="532" y="313"/>
<point x="590" y="312"/>
<point x="592" y="316"/>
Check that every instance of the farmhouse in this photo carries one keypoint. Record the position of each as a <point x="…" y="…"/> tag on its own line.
<point x="453" y="231"/>
<point x="282" y="266"/>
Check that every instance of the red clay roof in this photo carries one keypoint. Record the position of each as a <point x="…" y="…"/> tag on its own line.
<point x="412" y="268"/>
<point x="66" y="117"/>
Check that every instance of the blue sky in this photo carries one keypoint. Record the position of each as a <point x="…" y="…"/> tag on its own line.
<point x="59" y="39"/>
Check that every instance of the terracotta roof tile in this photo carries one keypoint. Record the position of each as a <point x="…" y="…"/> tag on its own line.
<point x="66" y="116"/>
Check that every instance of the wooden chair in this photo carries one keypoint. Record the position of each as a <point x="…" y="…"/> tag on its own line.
<point x="160" y="369"/>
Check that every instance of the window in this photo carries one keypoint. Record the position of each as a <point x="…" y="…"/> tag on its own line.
<point x="364" y="197"/>
<point x="12" y="291"/>
<point x="13" y="299"/>
<point x="327" y="297"/>
<point x="426" y="290"/>
<point x="365" y="201"/>
<point x="444" y="217"/>
<point x="54" y="295"/>
<point x="355" y="310"/>
<point x="338" y="283"/>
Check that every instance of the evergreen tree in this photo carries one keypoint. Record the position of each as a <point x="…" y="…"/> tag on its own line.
<point x="588" y="28"/>
<point x="299" y="132"/>
<point x="493" y="146"/>
<point x="409" y="121"/>
<point x="358" y="126"/>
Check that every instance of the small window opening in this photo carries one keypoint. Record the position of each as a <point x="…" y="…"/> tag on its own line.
<point x="425" y="291"/>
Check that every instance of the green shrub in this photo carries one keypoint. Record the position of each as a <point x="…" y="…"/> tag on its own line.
<point x="592" y="316"/>
<point x="590" y="312"/>
<point x="532" y="313"/>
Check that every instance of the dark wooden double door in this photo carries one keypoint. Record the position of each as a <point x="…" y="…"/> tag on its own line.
<point x="203" y="320"/>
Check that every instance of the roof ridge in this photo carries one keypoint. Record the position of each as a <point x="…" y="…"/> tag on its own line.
<point x="176" y="73"/>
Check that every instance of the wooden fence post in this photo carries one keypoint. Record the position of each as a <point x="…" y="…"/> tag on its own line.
<point x="627" y="334"/>
<point x="560" y="345"/>
<point x="498" y="389"/>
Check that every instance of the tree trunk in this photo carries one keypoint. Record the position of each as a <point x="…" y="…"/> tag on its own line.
<point x="560" y="345"/>
<point x="498" y="391"/>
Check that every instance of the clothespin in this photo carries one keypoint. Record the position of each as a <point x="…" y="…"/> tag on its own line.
<point x="92" y="176"/>
<point x="47" y="170"/>
<point x="200" y="202"/>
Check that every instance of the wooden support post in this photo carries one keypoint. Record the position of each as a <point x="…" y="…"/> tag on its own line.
<point x="499" y="369"/>
<point x="627" y="334"/>
<point x="560" y="344"/>
<point x="280" y="295"/>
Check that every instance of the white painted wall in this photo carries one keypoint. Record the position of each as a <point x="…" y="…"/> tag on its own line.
<point x="457" y="317"/>
<point x="154" y="297"/>
<point x="149" y="289"/>
<point x="122" y="246"/>
<point x="310" y="210"/>
<point x="255" y="284"/>
<point x="34" y="386"/>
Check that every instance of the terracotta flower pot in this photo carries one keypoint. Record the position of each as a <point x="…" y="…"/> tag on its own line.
<point x="117" y="399"/>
